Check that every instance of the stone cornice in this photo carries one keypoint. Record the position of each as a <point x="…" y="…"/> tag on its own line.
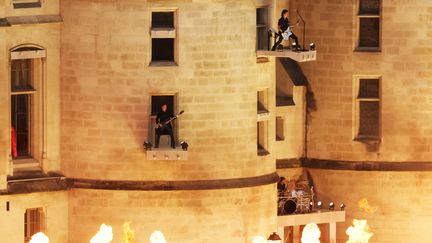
<point x="354" y="165"/>
<point x="45" y="184"/>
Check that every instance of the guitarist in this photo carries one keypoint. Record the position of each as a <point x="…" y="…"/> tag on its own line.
<point x="283" y="24"/>
<point x="162" y="117"/>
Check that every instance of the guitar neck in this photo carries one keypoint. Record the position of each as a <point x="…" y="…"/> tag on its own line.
<point x="170" y="120"/>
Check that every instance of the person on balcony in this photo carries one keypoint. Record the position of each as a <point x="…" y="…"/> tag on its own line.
<point x="163" y="125"/>
<point x="284" y="28"/>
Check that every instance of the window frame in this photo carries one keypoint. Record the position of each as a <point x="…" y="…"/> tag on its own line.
<point x="266" y="26"/>
<point x="37" y="109"/>
<point x="164" y="33"/>
<point x="360" y="16"/>
<point x="356" y="108"/>
<point x="175" y="110"/>
<point x="26" y="4"/>
<point x="40" y="212"/>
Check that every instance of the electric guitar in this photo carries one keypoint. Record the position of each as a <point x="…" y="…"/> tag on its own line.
<point x="162" y="125"/>
<point x="287" y="33"/>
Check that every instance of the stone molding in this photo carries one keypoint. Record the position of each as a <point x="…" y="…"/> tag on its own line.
<point x="44" y="184"/>
<point x="353" y="165"/>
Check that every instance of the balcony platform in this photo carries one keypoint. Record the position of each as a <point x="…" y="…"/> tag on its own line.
<point x="299" y="56"/>
<point x="318" y="217"/>
<point x="167" y="153"/>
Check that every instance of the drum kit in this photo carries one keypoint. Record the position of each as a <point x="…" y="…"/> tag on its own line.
<point x="297" y="201"/>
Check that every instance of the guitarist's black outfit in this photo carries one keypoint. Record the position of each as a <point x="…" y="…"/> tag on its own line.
<point x="165" y="130"/>
<point x="283" y="24"/>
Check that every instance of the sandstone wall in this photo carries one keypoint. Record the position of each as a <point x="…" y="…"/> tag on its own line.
<point x="107" y="83"/>
<point x="55" y="205"/>
<point x="235" y="215"/>
<point x="48" y="37"/>
<point x="403" y="63"/>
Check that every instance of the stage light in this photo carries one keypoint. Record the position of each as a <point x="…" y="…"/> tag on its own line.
<point x="312" y="46"/>
<point x="147" y="145"/>
<point x="331" y="206"/>
<point x="178" y="157"/>
<point x="310" y="206"/>
<point x="319" y="205"/>
<point x="342" y="207"/>
<point x="274" y="238"/>
<point x="184" y="145"/>
<point x="166" y="157"/>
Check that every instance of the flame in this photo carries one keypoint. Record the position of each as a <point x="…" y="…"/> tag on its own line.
<point x="104" y="235"/>
<point x="39" y="238"/>
<point x="128" y="233"/>
<point x="359" y="233"/>
<point x="259" y="239"/>
<point x="364" y="204"/>
<point x="157" y="237"/>
<point x="311" y="233"/>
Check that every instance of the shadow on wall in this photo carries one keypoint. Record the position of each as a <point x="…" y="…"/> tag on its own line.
<point x="297" y="76"/>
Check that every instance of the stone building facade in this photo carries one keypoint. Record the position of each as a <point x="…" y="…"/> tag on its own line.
<point x="97" y="74"/>
<point x="393" y="171"/>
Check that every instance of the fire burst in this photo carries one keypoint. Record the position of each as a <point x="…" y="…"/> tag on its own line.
<point x="104" y="235"/>
<point x="128" y="233"/>
<point x="359" y="232"/>
<point x="364" y="204"/>
<point x="39" y="238"/>
<point x="157" y="237"/>
<point x="259" y="239"/>
<point x="311" y="233"/>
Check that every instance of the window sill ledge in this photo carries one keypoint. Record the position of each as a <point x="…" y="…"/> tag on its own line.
<point x="163" y="64"/>
<point x="367" y="49"/>
<point x="367" y="139"/>
<point x="27" y="5"/>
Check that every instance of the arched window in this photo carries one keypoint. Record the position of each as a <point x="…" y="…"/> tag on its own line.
<point x="27" y="75"/>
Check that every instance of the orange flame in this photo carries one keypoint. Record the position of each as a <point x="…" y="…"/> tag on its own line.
<point x="359" y="232"/>
<point x="311" y="233"/>
<point x="259" y="239"/>
<point x="364" y="205"/>
<point x="104" y="235"/>
<point x="39" y="238"/>
<point x="128" y="233"/>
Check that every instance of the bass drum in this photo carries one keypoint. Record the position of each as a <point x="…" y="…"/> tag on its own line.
<point x="287" y="206"/>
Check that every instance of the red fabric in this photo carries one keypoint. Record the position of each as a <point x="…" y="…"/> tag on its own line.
<point x="13" y="143"/>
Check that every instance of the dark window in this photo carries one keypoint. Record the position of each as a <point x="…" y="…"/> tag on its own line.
<point x="26" y="4"/>
<point x="369" y="21"/>
<point x="262" y="27"/>
<point x="163" y="49"/>
<point x="162" y="19"/>
<point x="158" y="100"/>
<point x="369" y="119"/>
<point x="369" y="32"/>
<point x="21" y="75"/>
<point x="369" y="7"/>
<point x="163" y="39"/>
<point x="21" y="103"/>
<point x="33" y="222"/>
<point x="369" y="88"/>
<point x="368" y="99"/>
<point x="21" y="123"/>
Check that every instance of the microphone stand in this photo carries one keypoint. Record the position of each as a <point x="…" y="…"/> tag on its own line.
<point x="304" y="28"/>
